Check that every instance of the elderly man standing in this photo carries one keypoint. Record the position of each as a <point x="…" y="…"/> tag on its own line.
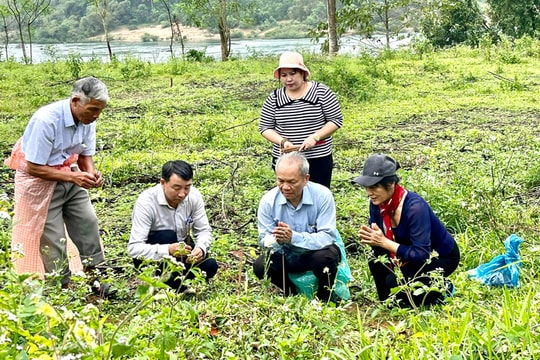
<point x="54" y="169"/>
<point x="169" y="220"/>
<point x="300" y="217"/>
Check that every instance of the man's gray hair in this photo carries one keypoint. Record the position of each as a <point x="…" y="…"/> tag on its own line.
<point x="90" y="88"/>
<point x="295" y="157"/>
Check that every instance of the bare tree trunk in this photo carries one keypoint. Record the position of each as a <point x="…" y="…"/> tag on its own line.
<point x="29" y="41"/>
<point x="171" y="25"/>
<point x="101" y="8"/>
<point x="179" y="35"/>
<point x="387" y="23"/>
<point x="23" y="45"/>
<point x="6" y="34"/>
<point x="33" y="9"/>
<point x="333" y="45"/>
<point x="224" y="31"/>
<point x="17" y="15"/>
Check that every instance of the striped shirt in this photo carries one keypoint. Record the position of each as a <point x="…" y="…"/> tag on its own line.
<point x="300" y="118"/>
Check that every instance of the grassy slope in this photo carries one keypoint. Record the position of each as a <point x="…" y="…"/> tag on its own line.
<point x="466" y="138"/>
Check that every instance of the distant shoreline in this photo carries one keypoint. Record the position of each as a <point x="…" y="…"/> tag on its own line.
<point x="189" y="34"/>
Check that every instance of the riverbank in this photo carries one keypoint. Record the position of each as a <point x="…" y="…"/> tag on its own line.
<point x="189" y="33"/>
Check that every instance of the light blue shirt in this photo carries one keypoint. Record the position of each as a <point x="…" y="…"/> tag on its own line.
<point x="152" y="212"/>
<point x="313" y="221"/>
<point x="51" y="135"/>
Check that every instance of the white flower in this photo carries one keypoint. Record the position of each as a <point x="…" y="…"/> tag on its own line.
<point x="18" y="249"/>
<point x="4" y="338"/>
<point x="316" y="304"/>
<point x="4" y="215"/>
<point x="10" y="316"/>
<point x="269" y="240"/>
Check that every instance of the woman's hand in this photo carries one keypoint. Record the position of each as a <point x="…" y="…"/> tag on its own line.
<point x="372" y="236"/>
<point x="308" y="143"/>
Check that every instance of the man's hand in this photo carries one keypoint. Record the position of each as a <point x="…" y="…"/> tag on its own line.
<point x="196" y="255"/>
<point x="283" y="233"/>
<point x="99" y="178"/>
<point x="186" y="253"/>
<point x="87" y="180"/>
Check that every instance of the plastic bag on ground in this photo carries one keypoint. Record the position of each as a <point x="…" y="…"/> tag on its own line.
<point x="502" y="270"/>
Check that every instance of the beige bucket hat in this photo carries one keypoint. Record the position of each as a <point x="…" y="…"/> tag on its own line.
<point x="291" y="60"/>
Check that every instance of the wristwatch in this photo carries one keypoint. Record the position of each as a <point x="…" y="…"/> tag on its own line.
<point x="316" y="137"/>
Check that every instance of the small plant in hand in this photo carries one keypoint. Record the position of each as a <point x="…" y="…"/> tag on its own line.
<point x="182" y="252"/>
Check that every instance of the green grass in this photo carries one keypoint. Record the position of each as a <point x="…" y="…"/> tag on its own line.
<point x="463" y="123"/>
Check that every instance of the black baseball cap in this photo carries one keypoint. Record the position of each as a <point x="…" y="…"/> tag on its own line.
<point x="376" y="168"/>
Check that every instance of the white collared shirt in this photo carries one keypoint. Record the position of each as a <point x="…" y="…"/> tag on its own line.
<point x="152" y="212"/>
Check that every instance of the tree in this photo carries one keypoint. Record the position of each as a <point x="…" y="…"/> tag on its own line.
<point x="15" y="8"/>
<point x="174" y="25"/>
<point x="352" y="15"/>
<point x="33" y="9"/>
<point x="25" y="13"/>
<point x="448" y="23"/>
<point x="361" y="16"/>
<point x="204" y="13"/>
<point x="6" y="23"/>
<point x="333" y="44"/>
<point x="101" y="8"/>
<point x="515" y="18"/>
<point x="393" y="14"/>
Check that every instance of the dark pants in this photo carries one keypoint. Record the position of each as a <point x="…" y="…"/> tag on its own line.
<point x="323" y="263"/>
<point x="385" y="278"/>
<point x="320" y="169"/>
<point x="208" y="265"/>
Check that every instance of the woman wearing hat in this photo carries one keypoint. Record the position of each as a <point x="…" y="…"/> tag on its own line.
<point x="302" y="115"/>
<point x="404" y="228"/>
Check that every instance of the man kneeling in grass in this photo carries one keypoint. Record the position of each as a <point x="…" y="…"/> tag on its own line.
<point x="162" y="221"/>
<point x="300" y="217"/>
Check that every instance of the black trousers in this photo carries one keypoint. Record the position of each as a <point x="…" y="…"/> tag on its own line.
<point x="320" y="169"/>
<point x="323" y="263"/>
<point x="208" y="265"/>
<point x="385" y="278"/>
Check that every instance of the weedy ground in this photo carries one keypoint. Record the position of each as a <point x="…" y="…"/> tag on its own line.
<point x="463" y="123"/>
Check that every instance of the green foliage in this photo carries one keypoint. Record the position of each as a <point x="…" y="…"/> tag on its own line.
<point x="134" y="68"/>
<point x="199" y="56"/>
<point x="515" y="18"/>
<point x="449" y="23"/>
<point x="466" y="142"/>
<point x="74" y="62"/>
<point x="149" y="38"/>
<point x="288" y="31"/>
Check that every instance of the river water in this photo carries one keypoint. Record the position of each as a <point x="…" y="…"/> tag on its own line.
<point x="158" y="52"/>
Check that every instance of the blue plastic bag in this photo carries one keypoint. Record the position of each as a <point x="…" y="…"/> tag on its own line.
<point x="307" y="283"/>
<point x="504" y="269"/>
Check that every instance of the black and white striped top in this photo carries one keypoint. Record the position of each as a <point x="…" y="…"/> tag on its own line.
<point x="300" y="118"/>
